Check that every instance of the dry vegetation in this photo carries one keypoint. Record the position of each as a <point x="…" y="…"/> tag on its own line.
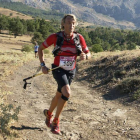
<point x="10" y="53"/>
<point x="11" y="58"/>
<point x="107" y="72"/>
<point x="13" y="14"/>
<point x="115" y="74"/>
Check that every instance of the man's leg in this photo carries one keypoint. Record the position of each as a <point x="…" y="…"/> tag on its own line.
<point x="54" y="101"/>
<point x="48" y="113"/>
<point x="61" y="102"/>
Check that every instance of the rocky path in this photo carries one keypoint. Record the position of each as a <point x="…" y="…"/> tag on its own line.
<point x="87" y="116"/>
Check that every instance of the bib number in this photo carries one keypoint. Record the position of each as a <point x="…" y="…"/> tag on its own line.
<point x="67" y="63"/>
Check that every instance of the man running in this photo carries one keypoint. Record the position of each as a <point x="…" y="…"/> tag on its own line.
<point x="65" y="51"/>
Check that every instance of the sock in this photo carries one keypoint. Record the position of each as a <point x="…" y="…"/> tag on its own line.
<point x="55" y="119"/>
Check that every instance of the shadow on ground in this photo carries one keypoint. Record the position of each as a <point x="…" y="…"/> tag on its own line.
<point x="25" y="127"/>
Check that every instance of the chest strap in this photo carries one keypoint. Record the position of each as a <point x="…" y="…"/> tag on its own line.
<point x="60" y="40"/>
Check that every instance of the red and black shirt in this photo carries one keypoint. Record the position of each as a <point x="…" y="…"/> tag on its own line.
<point x="67" y="57"/>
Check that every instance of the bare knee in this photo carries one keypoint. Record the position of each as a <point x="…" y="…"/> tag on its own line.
<point x="66" y="91"/>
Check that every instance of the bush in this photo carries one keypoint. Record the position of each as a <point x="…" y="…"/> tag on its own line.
<point x="131" y="46"/>
<point x="37" y="38"/>
<point x="136" y="95"/>
<point x="130" y="86"/>
<point x="27" y="48"/>
<point x="96" y="48"/>
<point x="46" y="51"/>
<point x="8" y="113"/>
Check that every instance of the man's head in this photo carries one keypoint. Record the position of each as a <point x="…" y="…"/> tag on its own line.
<point x="69" y="22"/>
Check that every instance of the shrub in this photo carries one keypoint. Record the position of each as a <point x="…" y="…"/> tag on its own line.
<point x="131" y="46"/>
<point x="46" y="51"/>
<point x="136" y="95"/>
<point x="119" y="73"/>
<point x="130" y="86"/>
<point x="27" y="48"/>
<point x="7" y="114"/>
<point x="96" y="48"/>
<point x="37" y="38"/>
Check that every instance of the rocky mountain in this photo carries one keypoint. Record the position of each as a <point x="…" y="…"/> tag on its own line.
<point x="116" y="13"/>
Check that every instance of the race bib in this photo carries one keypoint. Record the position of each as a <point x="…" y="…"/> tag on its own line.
<point x="67" y="63"/>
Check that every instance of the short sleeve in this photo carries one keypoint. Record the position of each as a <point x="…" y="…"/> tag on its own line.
<point x="83" y="44"/>
<point x="51" y="40"/>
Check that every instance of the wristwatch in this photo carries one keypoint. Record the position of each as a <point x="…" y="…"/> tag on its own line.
<point x="42" y="64"/>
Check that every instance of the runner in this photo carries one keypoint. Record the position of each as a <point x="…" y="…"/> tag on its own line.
<point x="36" y="49"/>
<point x="65" y="51"/>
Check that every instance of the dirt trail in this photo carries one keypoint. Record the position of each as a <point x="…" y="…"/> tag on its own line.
<point x="87" y="116"/>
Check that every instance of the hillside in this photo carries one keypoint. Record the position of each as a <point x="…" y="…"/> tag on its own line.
<point x="96" y="110"/>
<point x="13" y="14"/>
<point x="103" y="13"/>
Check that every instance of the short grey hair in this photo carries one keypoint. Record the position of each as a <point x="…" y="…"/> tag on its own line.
<point x="63" y="20"/>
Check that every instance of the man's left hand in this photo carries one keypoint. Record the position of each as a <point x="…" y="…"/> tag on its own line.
<point x="82" y="56"/>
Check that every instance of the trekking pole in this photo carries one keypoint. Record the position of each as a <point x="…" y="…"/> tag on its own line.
<point x="35" y="75"/>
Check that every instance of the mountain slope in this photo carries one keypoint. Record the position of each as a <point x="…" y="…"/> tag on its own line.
<point x="14" y="14"/>
<point x="115" y="13"/>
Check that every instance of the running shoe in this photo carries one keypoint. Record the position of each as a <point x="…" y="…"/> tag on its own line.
<point x="55" y="126"/>
<point x="48" y="120"/>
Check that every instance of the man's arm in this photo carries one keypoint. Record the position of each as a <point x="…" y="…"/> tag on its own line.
<point x="41" y="58"/>
<point x="40" y="53"/>
<point x="84" y="56"/>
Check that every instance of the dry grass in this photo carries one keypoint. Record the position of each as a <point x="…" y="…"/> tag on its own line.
<point x="13" y="14"/>
<point x="11" y="58"/>
<point x="108" y="72"/>
<point x="85" y="24"/>
<point x="105" y="71"/>
<point x="10" y="42"/>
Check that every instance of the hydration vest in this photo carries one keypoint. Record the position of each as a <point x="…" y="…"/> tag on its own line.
<point x="60" y="40"/>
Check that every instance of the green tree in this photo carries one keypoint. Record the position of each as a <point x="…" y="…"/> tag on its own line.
<point x="96" y="48"/>
<point x="44" y="31"/>
<point x="3" y="23"/>
<point x="37" y="37"/>
<point x="131" y="45"/>
<point x="116" y="47"/>
<point x="85" y="35"/>
<point x="31" y="26"/>
<point x="37" y="24"/>
<point x="96" y="40"/>
<point x="16" y="27"/>
<point x="24" y="26"/>
<point x="112" y="41"/>
<point x="106" y="46"/>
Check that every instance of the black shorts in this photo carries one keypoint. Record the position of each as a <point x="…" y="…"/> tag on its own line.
<point x="63" y="77"/>
<point x="36" y="51"/>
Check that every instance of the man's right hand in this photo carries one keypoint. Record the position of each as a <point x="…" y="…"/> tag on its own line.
<point x="45" y="70"/>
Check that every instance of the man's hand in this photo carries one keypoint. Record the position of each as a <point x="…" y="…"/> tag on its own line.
<point x="45" y="70"/>
<point x="82" y="56"/>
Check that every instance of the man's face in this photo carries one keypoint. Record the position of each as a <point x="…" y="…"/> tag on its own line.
<point x="69" y="25"/>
